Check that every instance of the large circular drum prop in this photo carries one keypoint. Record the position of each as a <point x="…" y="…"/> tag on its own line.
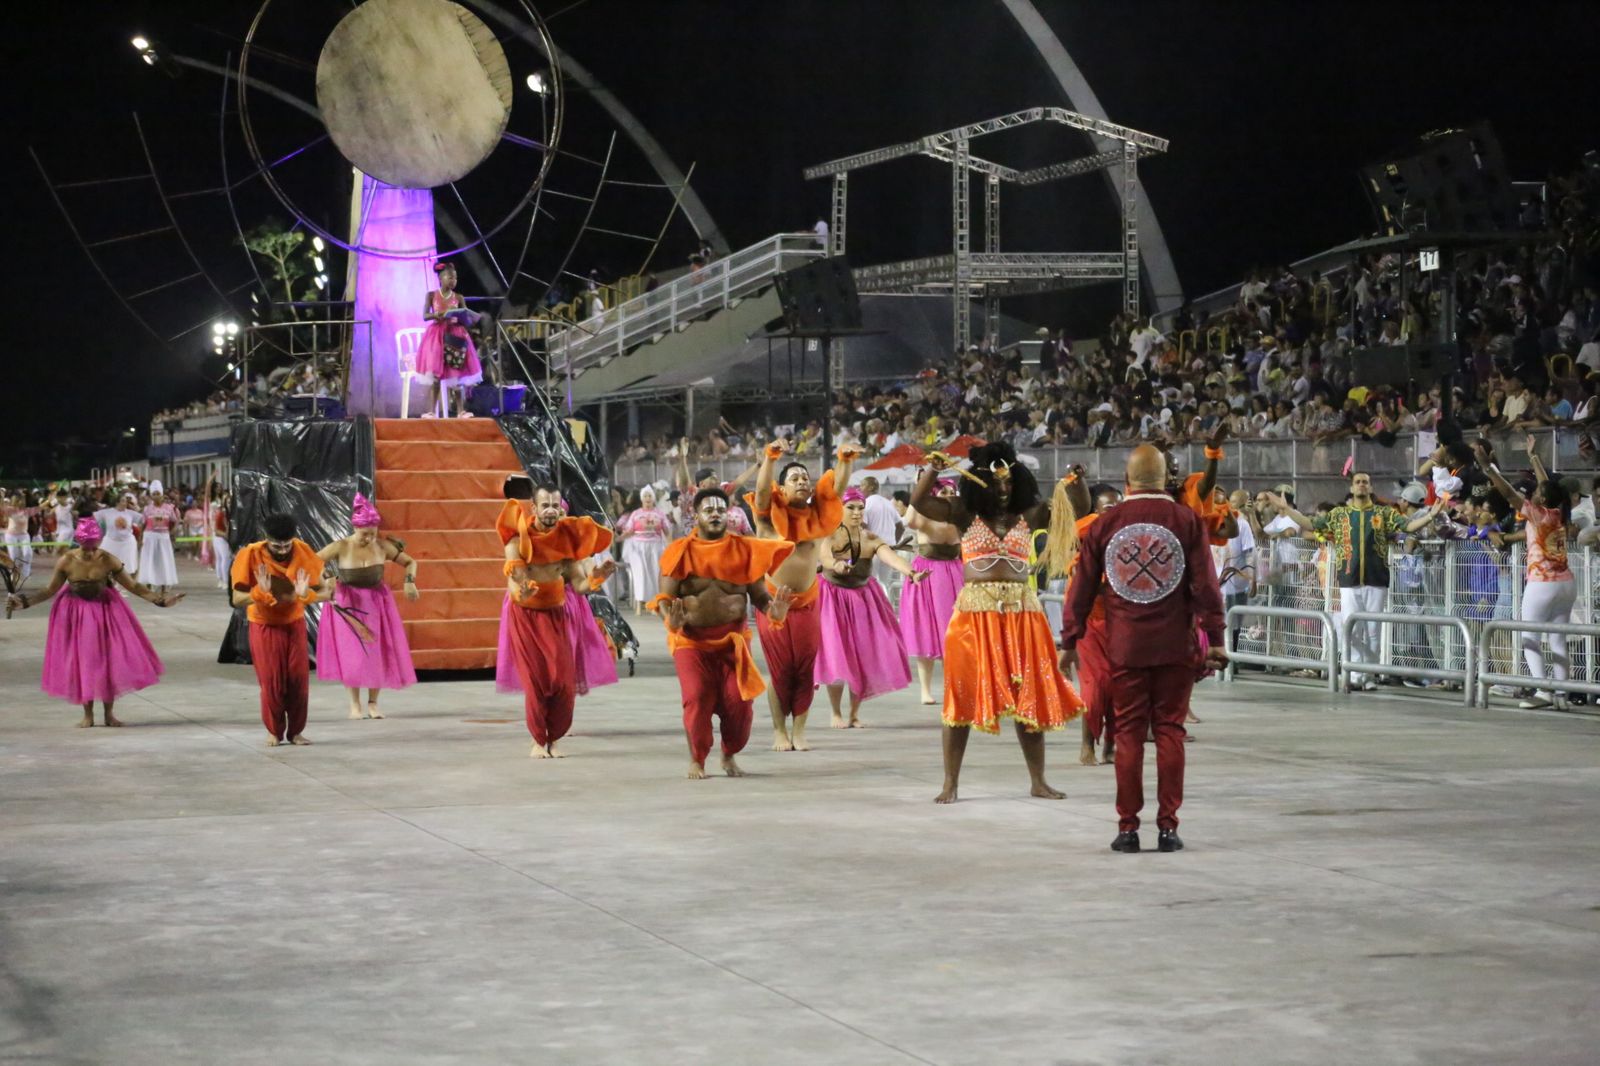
<point x="416" y="93"/>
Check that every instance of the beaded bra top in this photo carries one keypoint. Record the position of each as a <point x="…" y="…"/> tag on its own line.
<point x="981" y="547"/>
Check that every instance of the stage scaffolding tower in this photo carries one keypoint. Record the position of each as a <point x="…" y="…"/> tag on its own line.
<point x="993" y="273"/>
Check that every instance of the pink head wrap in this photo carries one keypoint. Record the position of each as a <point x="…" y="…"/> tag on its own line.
<point x="87" y="534"/>
<point x="853" y="495"/>
<point x="362" y="514"/>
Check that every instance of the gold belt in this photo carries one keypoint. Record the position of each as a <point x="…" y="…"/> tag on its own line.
<point x="1002" y="596"/>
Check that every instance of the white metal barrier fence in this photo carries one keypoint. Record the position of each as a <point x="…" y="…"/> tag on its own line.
<point x="1349" y="666"/>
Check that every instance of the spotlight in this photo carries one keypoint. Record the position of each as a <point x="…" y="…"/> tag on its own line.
<point x="218" y="328"/>
<point x="316" y="243"/>
<point x="141" y="44"/>
<point x="322" y="281"/>
<point x="254" y="298"/>
<point x="537" y="84"/>
<point x="316" y="261"/>
<point x="233" y="329"/>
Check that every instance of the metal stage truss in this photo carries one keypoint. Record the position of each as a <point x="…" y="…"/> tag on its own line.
<point x="990" y="273"/>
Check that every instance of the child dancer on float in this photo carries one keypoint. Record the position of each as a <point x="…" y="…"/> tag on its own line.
<point x="94" y="648"/>
<point x="926" y="606"/>
<point x="362" y="642"/>
<point x="861" y="643"/>
<point x="158" y="566"/>
<point x="446" y="357"/>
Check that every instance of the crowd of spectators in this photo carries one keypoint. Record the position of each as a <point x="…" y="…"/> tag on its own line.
<point x="1277" y="363"/>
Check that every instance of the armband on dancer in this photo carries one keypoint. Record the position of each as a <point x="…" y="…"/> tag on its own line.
<point x="1214" y="453"/>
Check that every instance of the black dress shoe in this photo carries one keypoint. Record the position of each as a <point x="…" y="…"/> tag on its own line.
<point x="1127" y="843"/>
<point x="1169" y="841"/>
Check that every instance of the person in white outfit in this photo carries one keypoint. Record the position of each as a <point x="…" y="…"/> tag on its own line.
<point x="119" y="522"/>
<point x="1550" y="591"/>
<point x="19" y="544"/>
<point x="882" y="521"/>
<point x="158" y="566"/>
<point x="644" y="535"/>
<point x="221" y="553"/>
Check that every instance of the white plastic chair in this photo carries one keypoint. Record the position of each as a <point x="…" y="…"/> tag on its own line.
<point x="406" y="343"/>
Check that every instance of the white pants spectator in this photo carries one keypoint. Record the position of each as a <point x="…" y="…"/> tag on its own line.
<point x="221" y="558"/>
<point x="20" y="548"/>
<point x="1363" y="645"/>
<point x="1547" y="601"/>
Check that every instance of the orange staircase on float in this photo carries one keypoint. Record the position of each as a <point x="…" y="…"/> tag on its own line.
<point x="438" y="483"/>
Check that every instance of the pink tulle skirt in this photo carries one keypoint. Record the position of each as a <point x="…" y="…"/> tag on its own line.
<point x="596" y="665"/>
<point x="861" y="644"/>
<point x="96" y="649"/>
<point x="926" y="606"/>
<point x="430" y="357"/>
<point x="344" y="657"/>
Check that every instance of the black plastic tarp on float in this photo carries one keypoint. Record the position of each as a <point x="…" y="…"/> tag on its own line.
<point x="311" y="470"/>
<point x="546" y="450"/>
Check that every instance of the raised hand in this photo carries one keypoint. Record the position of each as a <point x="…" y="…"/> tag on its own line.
<point x="302" y="584"/>
<point x="938" y="461"/>
<point x="1531" y="445"/>
<point x="1218" y="435"/>
<point x="675" y="615"/>
<point x="605" y="570"/>
<point x="264" y="578"/>
<point x="778" y="604"/>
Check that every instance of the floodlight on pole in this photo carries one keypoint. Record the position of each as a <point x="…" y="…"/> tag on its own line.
<point x="316" y="244"/>
<point x="141" y="44"/>
<point x="537" y="84"/>
<point x="316" y="261"/>
<point x="218" y="328"/>
<point x="233" y="329"/>
<point x="322" y="281"/>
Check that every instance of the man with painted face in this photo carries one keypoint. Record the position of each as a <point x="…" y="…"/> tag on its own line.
<point x="707" y="580"/>
<point x="542" y="547"/>
<point x="1148" y="559"/>
<point x="789" y="507"/>
<point x="275" y="579"/>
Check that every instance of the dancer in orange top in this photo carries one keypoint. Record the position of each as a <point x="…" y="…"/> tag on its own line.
<point x="790" y="508"/>
<point x="276" y="579"/>
<point x="541" y="548"/>
<point x="706" y="580"/>
<point x="999" y="656"/>
<point x="1094" y="670"/>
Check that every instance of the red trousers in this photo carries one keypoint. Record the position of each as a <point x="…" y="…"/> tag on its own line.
<point x="542" y="653"/>
<point x="1146" y="697"/>
<point x="792" y="655"/>
<point x="1094" y="680"/>
<point x="711" y="688"/>
<point x="282" y="658"/>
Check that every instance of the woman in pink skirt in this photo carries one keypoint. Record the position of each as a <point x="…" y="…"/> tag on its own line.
<point x="592" y="653"/>
<point x="361" y="642"/>
<point x="446" y="358"/>
<point x="95" y="648"/>
<point x="926" y="606"/>
<point x="861" y="644"/>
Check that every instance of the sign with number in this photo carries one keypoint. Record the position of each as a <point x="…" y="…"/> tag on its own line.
<point x="1428" y="259"/>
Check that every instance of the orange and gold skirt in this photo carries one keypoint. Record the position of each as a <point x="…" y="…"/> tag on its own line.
<point x="1000" y="662"/>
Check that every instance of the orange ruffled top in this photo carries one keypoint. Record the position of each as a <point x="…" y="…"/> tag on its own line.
<point x="1212" y="514"/>
<point x="289" y="610"/>
<point x="797" y="522"/>
<point x="732" y="558"/>
<point x="1097" y="613"/>
<point x="572" y="538"/>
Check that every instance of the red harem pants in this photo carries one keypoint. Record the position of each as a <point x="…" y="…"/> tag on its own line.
<point x="282" y="658"/>
<point x="710" y="687"/>
<point x="542" y="652"/>
<point x="1146" y="697"/>
<point x="791" y="653"/>
<point x="1094" y="680"/>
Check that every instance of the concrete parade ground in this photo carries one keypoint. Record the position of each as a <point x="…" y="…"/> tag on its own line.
<point x="1384" y="879"/>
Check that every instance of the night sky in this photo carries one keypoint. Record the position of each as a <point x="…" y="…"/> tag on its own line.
<point x="1270" y="108"/>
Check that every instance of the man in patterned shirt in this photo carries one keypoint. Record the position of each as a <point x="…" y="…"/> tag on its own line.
<point x="1360" y="533"/>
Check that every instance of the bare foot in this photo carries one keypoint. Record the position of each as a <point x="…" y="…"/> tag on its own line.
<point x="298" y="740"/>
<point x="539" y="751"/>
<point x="112" y="720"/>
<point x="1044" y="791"/>
<point x="1108" y="755"/>
<point x="373" y="712"/>
<point x="856" y="723"/>
<point x="554" y="754"/>
<point x="697" y="772"/>
<point x="730" y="767"/>
<point x="838" y="721"/>
<point x="87" y="721"/>
<point x="272" y="742"/>
<point x="801" y="745"/>
<point x="355" y="713"/>
<point x="947" y="796"/>
<point x="1086" y="754"/>
<point x="781" y="742"/>
<point x="928" y="700"/>
<point x="1192" y="718"/>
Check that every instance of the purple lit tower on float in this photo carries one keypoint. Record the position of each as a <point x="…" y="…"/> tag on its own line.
<point x="388" y="291"/>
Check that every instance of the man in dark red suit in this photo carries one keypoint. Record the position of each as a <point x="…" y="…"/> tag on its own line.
<point x="1159" y="587"/>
